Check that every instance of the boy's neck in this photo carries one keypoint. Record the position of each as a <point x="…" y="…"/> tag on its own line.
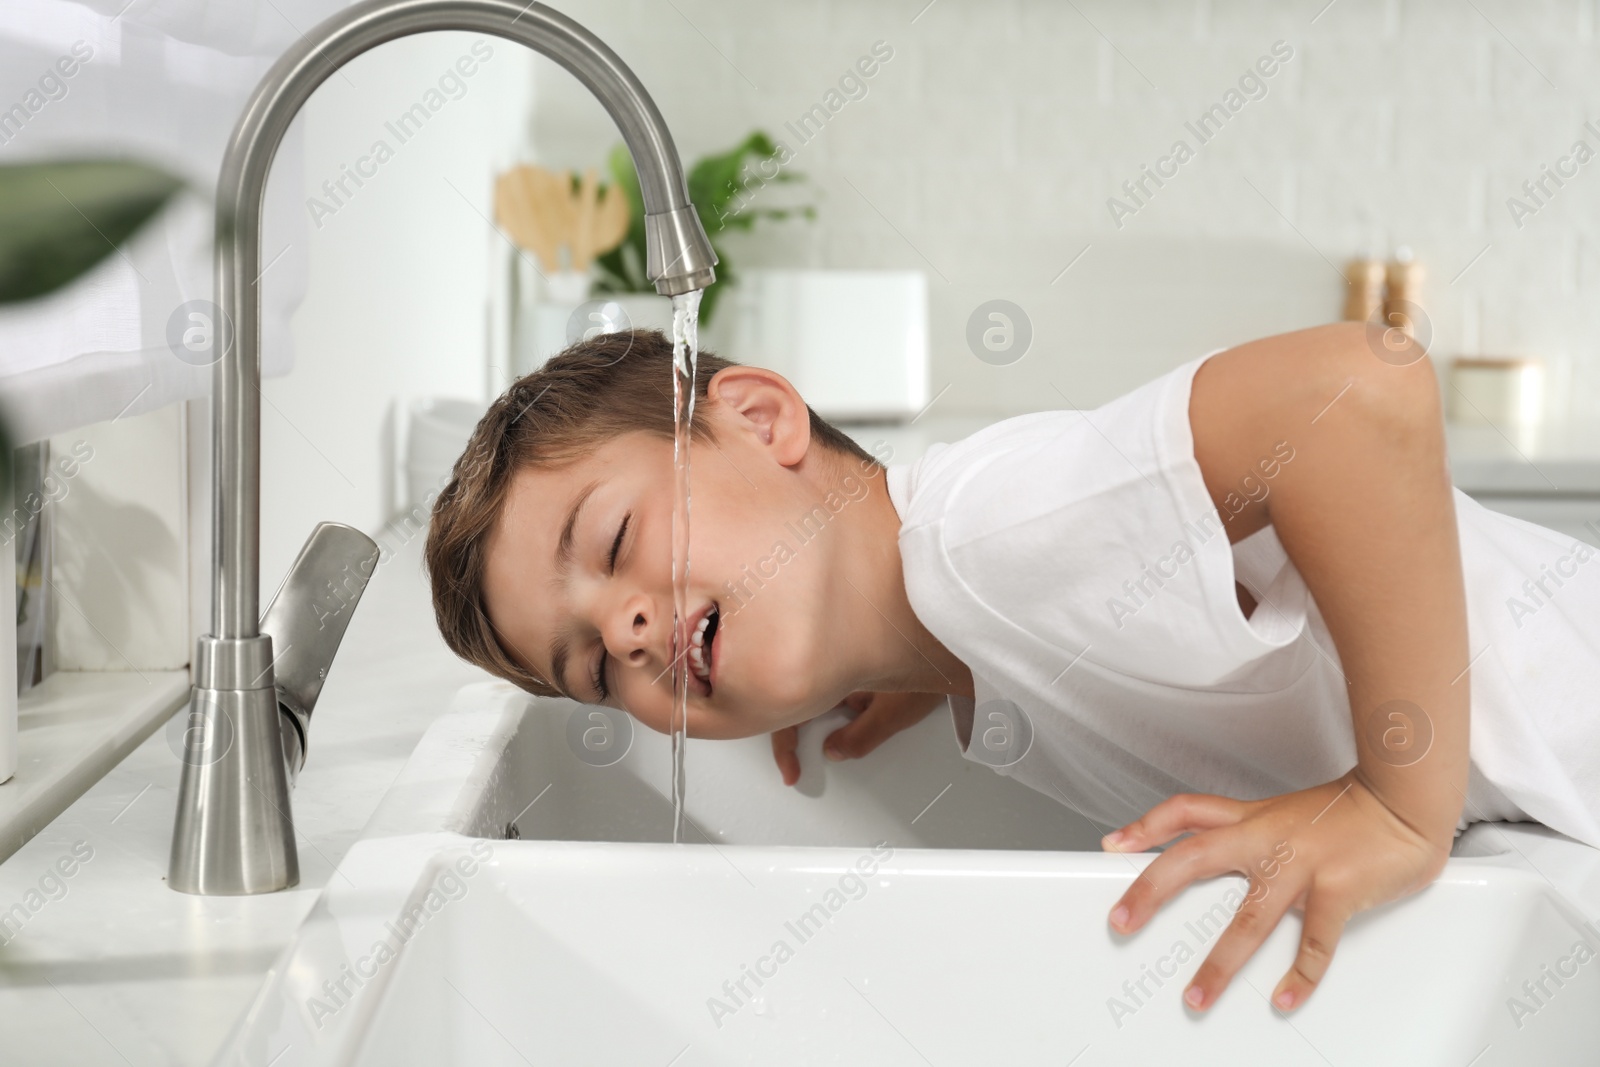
<point x="894" y="652"/>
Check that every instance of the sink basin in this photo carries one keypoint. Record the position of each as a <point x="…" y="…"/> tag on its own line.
<point x="569" y="772"/>
<point x="910" y="908"/>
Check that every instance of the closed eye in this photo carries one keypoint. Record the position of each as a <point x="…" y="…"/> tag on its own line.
<point x="616" y="545"/>
<point x="599" y="678"/>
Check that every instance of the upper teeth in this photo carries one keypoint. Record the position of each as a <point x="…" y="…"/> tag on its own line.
<point x="697" y="649"/>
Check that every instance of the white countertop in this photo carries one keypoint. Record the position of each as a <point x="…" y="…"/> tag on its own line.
<point x="122" y="970"/>
<point x="71" y="729"/>
<point x="1548" y="459"/>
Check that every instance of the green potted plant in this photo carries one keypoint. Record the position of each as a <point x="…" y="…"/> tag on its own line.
<point x="725" y="190"/>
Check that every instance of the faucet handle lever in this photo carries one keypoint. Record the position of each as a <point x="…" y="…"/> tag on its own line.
<point x="307" y="620"/>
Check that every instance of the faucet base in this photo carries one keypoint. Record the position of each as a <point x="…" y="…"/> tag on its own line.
<point x="234" y="834"/>
<point x="234" y="831"/>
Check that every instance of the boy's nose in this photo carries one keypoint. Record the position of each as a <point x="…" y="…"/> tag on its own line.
<point x="635" y="631"/>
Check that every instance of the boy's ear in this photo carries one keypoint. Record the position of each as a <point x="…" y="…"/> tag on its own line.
<point x="762" y="403"/>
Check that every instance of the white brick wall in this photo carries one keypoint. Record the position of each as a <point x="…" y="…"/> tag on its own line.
<point x="993" y="138"/>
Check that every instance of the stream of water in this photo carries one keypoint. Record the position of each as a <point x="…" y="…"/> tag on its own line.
<point x="685" y="356"/>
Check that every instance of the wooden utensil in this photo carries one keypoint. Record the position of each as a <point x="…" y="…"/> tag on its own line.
<point x="532" y="205"/>
<point x="541" y="213"/>
<point x="601" y="221"/>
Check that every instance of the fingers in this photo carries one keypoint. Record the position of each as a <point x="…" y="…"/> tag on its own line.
<point x="883" y="717"/>
<point x="879" y="716"/>
<point x="1257" y="916"/>
<point x="784" y="743"/>
<point x="858" y="701"/>
<point x="1185" y="813"/>
<point x="1205" y="856"/>
<point x="859" y="736"/>
<point x="1319" y="935"/>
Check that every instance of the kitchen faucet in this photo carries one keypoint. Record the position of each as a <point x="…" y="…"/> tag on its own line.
<point x="257" y="679"/>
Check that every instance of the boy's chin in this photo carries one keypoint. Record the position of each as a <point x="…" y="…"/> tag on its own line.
<point x="767" y="721"/>
<point x="756" y="715"/>
<point x="800" y="716"/>
<point x="761" y="725"/>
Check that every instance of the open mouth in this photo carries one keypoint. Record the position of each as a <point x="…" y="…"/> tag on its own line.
<point x="702" y="646"/>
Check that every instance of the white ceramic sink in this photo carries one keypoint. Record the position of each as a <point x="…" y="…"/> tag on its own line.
<point x="483" y="767"/>
<point x="857" y="924"/>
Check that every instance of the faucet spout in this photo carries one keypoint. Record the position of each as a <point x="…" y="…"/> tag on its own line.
<point x="679" y="256"/>
<point x="234" y="832"/>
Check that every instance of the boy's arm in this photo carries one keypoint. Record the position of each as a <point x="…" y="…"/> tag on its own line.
<point x="1366" y="513"/>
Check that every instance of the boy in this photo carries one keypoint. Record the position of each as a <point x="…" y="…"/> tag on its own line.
<point x="1242" y="603"/>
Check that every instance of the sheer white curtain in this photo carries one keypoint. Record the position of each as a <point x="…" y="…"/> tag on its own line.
<point x="162" y="81"/>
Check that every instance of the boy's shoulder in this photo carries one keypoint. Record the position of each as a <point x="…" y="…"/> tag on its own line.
<point x="922" y="489"/>
<point x="1018" y="467"/>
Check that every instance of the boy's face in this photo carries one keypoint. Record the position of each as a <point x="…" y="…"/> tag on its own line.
<point x="765" y="533"/>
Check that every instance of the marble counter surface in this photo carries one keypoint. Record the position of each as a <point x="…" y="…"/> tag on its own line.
<point x="101" y="963"/>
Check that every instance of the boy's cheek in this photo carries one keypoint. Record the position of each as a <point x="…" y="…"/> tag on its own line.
<point x="647" y="709"/>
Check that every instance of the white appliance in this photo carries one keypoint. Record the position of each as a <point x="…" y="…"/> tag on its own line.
<point x="854" y="343"/>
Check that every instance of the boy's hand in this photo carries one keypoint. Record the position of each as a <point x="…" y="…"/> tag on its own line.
<point x="1330" y="852"/>
<point x="880" y="716"/>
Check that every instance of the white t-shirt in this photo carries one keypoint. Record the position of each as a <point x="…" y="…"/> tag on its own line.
<point x="1075" y="563"/>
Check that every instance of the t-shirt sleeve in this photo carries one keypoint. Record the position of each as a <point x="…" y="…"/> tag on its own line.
<point x="1091" y="534"/>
